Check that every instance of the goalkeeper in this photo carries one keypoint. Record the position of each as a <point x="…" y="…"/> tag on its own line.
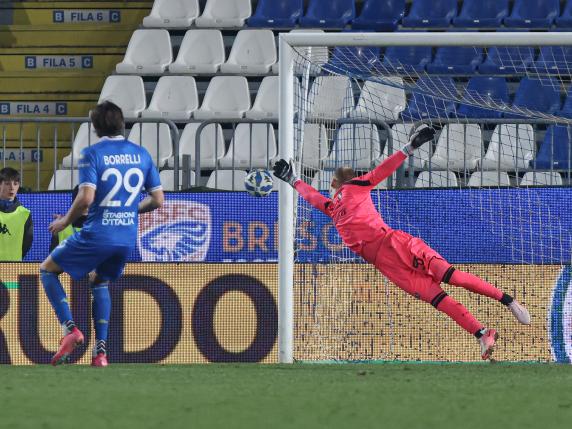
<point x="405" y="260"/>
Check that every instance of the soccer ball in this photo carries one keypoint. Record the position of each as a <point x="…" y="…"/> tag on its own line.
<point x="259" y="183"/>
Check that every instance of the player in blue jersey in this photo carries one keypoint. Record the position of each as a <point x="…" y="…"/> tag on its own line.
<point x="112" y="174"/>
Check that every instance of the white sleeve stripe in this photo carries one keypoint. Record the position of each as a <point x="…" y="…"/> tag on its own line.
<point x="88" y="184"/>
<point x="156" y="188"/>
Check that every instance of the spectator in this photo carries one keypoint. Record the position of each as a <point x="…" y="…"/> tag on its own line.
<point x="16" y="229"/>
<point x="70" y="230"/>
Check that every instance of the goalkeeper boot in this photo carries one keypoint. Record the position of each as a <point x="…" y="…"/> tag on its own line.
<point x="487" y="342"/>
<point x="519" y="312"/>
<point x="67" y="345"/>
<point x="99" y="360"/>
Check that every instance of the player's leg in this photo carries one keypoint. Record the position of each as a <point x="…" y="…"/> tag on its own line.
<point x="100" y="313"/>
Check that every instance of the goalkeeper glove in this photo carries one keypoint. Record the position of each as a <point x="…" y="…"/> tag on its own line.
<point x="285" y="171"/>
<point x="422" y="135"/>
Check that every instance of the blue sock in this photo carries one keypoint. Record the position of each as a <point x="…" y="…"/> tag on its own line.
<point x="100" y="311"/>
<point x="58" y="298"/>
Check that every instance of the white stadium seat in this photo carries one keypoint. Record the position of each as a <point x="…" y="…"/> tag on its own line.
<point x="253" y="52"/>
<point x="226" y="97"/>
<point x="400" y="134"/>
<point x="149" y="51"/>
<point x="212" y="145"/>
<point x="356" y="146"/>
<point x="381" y="101"/>
<point x="459" y="147"/>
<point x="489" y="178"/>
<point x="225" y="13"/>
<point x="538" y="178"/>
<point x="252" y="146"/>
<point x="146" y="135"/>
<point x="317" y="56"/>
<point x="202" y="51"/>
<point x="517" y="147"/>
<point x="172" y="14"/>
<point x="175" y="98"/>
<point x="127" y="92"/>
<point x="168" y="179"/>
<point x="322" y="179"/>
<point x="64" y="180"/>
<point x="84" y="137"/>
<point x="266" y="103"/>
<point x="330" y="97"/>
<point x="227" y="180"/>
<point x="436" y="179"/>
<point x="315" y="148"/>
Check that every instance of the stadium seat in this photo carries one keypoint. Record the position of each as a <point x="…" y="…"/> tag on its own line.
<point x="541" y="178"/>
<point x="436" y="179"/>
<point x="253" y="52"/>
<point x="202" y="51"/>
<point x="431" y="13"/>
<point x="533" y="13"/>
<point x="277" y="13"/>
<point x="317" y="56"/>
<point x="400" y="137"/>
<point x="322" y="180"/>
<point x="227" y="180"/>
<point x="64" y="180"/>
<point x="517" y="147"/>
<point x="355" y="145"/>
<point x="315" y="148"/>
<point x="567" y="106"/>
<point x="84" y="137"/>
<point x="488" y="178"/>
<point x="156" y="138"/>
<point x="175" y="98"/>
<point x="553" y="60"/>
<point x="565" y="20"/>
<point x="482" y="13"/>
<point x="148" y="52"/>
<point x="458" y="148"/>
<point x="354" y="60"/>
<point x="331" y="97"/>
<point x="431" y="97"/>
<point x="212" y="146"/>
<point x="379" y="15"/>
<point x="252" y="146"/>
<point x="227" y="97"/>
<point x="507" y="60"/>
<point x="266" y="103"/>
<point x="127" y="92"/>
<point x="172" y="14"/>
<point x="480" y="91"/>
<point x="381" y="101"/>
<point x="456" y="60"/>
<point x="168" y="179"/>
<point x="224" y="14"/>
<point x="407" y="58"/>
<point x="328" y="14"/>
<point x="537" y="95"/>
<point x="554" y="152"/>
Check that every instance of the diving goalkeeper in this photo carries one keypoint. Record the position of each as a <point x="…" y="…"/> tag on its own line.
<point x="405" y="260"/>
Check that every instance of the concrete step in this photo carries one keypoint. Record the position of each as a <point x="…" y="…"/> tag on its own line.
<point x="65" y="82"/>
<point x="98" y="36"/>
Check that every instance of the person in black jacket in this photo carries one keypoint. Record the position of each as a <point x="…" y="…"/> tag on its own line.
<point x="70" y="230"/>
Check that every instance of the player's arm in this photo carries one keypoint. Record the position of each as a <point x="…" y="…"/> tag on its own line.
<point x="84" y="199"/>
<point x="422" y="135"/>
<point x="285" y="171"/>
<point x="156" y="196"/>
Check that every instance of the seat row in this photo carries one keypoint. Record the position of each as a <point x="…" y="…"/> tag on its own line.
<point x="378" y="15"/>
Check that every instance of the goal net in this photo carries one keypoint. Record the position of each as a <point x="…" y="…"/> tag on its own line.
<point x="489" y="193"/>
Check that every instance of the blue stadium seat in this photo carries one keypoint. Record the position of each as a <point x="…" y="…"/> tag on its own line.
<point x="276" y="13"/>
<point x="423" y="104"/>
<point x="455" y="60"/>
<point x="565" y="20"/>
<point x="554" y="152"/>
<point x="567" y="106"/>
<point x="481" y="89"/>
<point x="380" y="15"/>
<point x="539" y="95"/>
<point x="533" y="13"/>
<point x="431" y="13"/>
<point x="554" y="59"/>
<point x="507" y="60"/>
<point x="355" y="60"/>
<point x="328" y="13"/>
<point x="482" y="13"/>
<point x="407" y="58"/>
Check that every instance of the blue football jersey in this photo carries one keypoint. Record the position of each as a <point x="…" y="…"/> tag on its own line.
<point x="118" y="170"/>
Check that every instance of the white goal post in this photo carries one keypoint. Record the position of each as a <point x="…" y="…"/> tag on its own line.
<point x="289" y="44"/>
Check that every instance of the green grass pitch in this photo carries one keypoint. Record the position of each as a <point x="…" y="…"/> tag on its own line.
<point x="360" y="396"/>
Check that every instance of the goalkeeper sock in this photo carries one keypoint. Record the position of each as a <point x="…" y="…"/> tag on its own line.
<point x="474" y="284"/>
<point x="58" y="299"/>
<point x="457" y="311"/>
<point x="100" y="310"/>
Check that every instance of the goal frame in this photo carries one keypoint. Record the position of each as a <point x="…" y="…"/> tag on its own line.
<point x="288" y="41"/>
